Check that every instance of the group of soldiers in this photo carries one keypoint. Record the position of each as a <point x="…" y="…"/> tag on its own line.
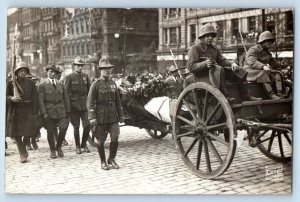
<point x="54" y="102"/>
<point x="207" y="64"/>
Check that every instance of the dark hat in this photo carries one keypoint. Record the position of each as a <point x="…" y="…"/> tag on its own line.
<point x="78" y="61"/>
<point x="104" y="63"/>
<point x="50" y="66"/>
<point x="173" y="69"/>
<point x="58" y="69"/>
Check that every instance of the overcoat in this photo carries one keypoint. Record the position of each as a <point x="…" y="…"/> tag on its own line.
<point x="22" y="116"/>
<point x="256" y="58"/>
<point x="197" y="64"/>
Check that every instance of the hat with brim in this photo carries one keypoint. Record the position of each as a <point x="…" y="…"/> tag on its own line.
<point x="173" y="69"/>
<point x="104" y="63"/>
<point x="50" y="66"/>
<point x="58" y="69"/>
<point x="78" y="61"/>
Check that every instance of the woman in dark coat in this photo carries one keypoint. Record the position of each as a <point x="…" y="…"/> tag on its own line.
<point x="21" y="110"/>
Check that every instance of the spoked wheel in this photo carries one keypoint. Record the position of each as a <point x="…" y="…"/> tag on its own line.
<point x="156" y="134"/>
<point x="204" y="130"/>
<point x="276" y="144"/>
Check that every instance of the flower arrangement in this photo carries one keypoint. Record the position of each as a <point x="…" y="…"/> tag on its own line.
<point x="146" y="87"/>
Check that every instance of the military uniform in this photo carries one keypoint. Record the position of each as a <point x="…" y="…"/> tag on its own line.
<point x="256" y="58"/>
<point x="54" y="103"/>
<point x="22" y="114"/>
<point x="216" y="74"/>
<point x="104" y="113"/>
<point x="77" y="85"/>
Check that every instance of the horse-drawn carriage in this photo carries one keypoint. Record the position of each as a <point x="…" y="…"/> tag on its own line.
<point x="206" y="127"/>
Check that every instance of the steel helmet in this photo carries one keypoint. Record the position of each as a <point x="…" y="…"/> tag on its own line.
<point x="266" y="35"/>
<point x="172" y="69"/>
<point x="22" y="65"/>
<point x="207" y="29"/>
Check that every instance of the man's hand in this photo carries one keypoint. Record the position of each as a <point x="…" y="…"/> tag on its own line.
<point x="266" y="68"/>
<point x="208" y="63"/>
<point x="16" y="99"/>
<point x="235" y="67"/>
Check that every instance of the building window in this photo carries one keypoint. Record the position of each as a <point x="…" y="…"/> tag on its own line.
<point x="166" y="36"/>
<point x="270" y="23"/>
<point x="179" y="35"/>
<point x="172" y="12"/>
<point x="220" y="30"/>
<point x="235" y="28"/>
<point x="82" y="26"/>
<point x="173" y="35"/>
<point x="82" y="50"/>
<point x="289" y="23"/>
<point x="192" y="33"/>
<point x="77" y="28"/>
<point x="252" y="24"/>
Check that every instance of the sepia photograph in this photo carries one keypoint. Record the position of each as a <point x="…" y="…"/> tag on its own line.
<point x="194" y="101"/>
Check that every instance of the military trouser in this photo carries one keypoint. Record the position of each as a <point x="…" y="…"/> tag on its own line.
<point x="101" y="133"/>
<point x="51" y="127"/>
<point x="75" y="117"/>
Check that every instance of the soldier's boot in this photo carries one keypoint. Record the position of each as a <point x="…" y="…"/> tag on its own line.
<point x="101" y="152"/>
<point x="85" y="137"/>
<point x="112" y="155"/>
<point x="26" y="142"/>
<point x="246" y="93"/>
<point x="77" y="140"/>
<point x="51" y="142"/>
<point x="22" y="150"/>
<point x="34" y="144"/>
<point x="270" y="93"/>
<point x="60" y="139"/>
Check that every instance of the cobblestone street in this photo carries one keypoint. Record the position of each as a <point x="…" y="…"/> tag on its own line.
<point x="147" y="166"/>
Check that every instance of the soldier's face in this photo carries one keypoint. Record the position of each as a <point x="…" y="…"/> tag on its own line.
<point x="267" y="43"/>
<point x="78" y="68"/>
<point x="21" y="73"/>
<point x="106" y="72"/>
<point x="51" y="74"/>
<point x="208" y="39"/>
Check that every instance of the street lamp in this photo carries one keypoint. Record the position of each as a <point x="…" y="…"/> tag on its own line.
<point x="124" y="28"/>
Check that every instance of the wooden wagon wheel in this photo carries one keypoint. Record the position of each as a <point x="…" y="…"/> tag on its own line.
<point x="275" y="144"/>
<point x="156" y="134"/>
<point x="204" y="130"/>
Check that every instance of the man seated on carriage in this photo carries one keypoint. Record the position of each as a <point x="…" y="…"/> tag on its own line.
<point x="207" y="63"/>
<point x="259" y="64"/>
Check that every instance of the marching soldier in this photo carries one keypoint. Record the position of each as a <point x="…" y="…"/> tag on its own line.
<point x="22" y="110"/>
<point x="77" y="85"/>
<point x="58" y="75"/>
<point x="105" y="111"/>
<point x="55" y="108"/>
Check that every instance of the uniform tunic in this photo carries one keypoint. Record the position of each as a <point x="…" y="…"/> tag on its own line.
<point x="77" y="86"/>
<point x="22" y="116"/>
<point x="104" y="103"/>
